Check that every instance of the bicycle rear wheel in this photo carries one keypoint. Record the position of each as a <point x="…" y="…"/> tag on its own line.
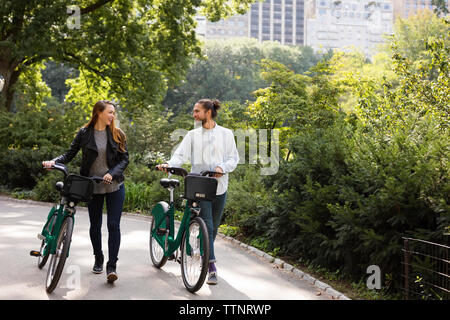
<point x="58" y="259"/>
<point x="156" y="251"/>
<point x="194" y="265"/>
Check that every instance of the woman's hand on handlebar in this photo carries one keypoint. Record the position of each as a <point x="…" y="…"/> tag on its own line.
<point x="107" y="178"/>
<point x="48" y="164"/>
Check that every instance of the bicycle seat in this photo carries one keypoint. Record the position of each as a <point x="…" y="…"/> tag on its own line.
<point x="169" y="183"/>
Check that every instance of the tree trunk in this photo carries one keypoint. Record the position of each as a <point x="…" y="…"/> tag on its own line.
<point x="10" y="74"/>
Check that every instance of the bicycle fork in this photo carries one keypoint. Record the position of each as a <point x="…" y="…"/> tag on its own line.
<point x="195" y="212"/>
<point x="45" y="234"/>
<point x="51" y="229"/>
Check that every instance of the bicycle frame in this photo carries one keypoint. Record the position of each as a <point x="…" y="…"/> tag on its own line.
<point x="166" y="240"/>
<point x="50" y="234"/>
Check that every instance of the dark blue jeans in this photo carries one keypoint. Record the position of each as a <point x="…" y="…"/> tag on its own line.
<point x="211" y="212"/>
<point x="114" y="205"/>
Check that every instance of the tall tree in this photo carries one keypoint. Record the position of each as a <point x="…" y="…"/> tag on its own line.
<point x="440" y="7"/>
<point x="412" y="33"/>
<point x="136" y="46"/>
<point x="230" y="70"/>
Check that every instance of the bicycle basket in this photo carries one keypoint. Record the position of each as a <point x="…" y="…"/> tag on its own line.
<point x="199" y="188"/>
<point x="79" y="188"/>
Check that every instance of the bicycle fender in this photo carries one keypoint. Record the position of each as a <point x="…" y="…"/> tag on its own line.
<point x="159" y="212"/>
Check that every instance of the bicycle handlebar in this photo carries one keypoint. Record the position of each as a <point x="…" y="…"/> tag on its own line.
<point x="182" y="172"/>
<point x="98" y="179"/>
<point x="175" y="170"/>
<point x="210" y="173"/>
<point x="63" y="169"/>
<point x="60" y="167"/>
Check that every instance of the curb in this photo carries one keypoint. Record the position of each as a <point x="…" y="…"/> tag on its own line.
<point x="278" y="263"/>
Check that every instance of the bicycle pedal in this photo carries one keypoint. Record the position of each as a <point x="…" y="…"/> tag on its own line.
<point x="35" y="253"/>
<point x="40" y="236"/>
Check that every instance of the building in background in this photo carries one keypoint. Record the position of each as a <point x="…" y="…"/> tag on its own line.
<point x="233" y="27"/>
<point x="321" y="24"/>
<point x="363" y="24"/>
<point x="405" y="8"/>
<point x="275" y="20"/>
<point x="278" y="20"/>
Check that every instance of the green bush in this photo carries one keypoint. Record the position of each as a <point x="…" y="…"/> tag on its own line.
<point x="347" y="198"/>
<point x="45" y="188"/>
<point x="397" y="186"/>
<point x="143" y="189"/>
<point x="356" y="185"/>
<point x="29" y="137"/>
<point x="297" y="220"/>
<point x="246" y="196"/>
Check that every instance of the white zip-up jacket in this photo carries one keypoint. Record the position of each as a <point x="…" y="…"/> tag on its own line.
<point x="207" y="149"/>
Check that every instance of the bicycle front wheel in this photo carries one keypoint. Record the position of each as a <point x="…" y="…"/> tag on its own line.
<point x="58" y="259"/>
<point x="195" y="255"/>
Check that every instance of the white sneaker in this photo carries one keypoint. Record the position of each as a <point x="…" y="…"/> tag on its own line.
<point x="212" y="278"/>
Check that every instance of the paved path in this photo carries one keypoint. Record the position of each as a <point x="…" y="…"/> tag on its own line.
<point x="241" y="275"/>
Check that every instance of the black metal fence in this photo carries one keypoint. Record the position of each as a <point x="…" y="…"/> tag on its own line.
<point x="426" y="269"/>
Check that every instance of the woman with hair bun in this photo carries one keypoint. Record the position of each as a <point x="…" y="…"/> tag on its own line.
<point x="209" y="147"/>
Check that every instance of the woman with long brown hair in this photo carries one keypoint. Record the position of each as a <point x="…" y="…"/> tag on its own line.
<point x="104" y="153"/>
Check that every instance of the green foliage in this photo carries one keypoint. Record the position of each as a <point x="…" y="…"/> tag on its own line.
<point x="45" y="188"/>
<point x="396" y="186"/>
<point x="233" y="115"/>
<point x="229" y="71"/>
<point x="148" y="136"/>
<point x="351" y="71"/>
<point x="32" y="91"/>
<point x="283" y="101"/>
<point x="143" y="189"/>
<point x="228" y="230"/>
<point x="136" y="47"/>
<point x="140" y="197"/>
<point x="412" y="34"/>
<point x="420" y="88"/>
<point x="356" y="185"/>
<point x="29" y="137"/>
<point x="440" y="7"/>
<point x="55" y="75"/>
<point x="297" y="220"/>
<point x="246" y="197"/>
<point x="364" y="144"/>
<point x="86" y="90"/>
<point x="215" y="9"/>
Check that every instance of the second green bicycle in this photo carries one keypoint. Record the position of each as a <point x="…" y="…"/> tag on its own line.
<point x="192" y="236"/>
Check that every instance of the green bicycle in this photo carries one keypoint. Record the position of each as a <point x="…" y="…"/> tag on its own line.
<point x="57" y="232"/>
<point x="192" y="236"/>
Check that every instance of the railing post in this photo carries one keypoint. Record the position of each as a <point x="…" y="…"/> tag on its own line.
<point x="446" y="280"/>
<point x="407" y="264"/>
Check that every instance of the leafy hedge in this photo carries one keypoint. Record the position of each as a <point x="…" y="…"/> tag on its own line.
<point x="356" y="185"/>
<point x="29" y="137"/>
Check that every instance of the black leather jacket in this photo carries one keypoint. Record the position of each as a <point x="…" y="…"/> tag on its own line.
<point x="117" y="161"/>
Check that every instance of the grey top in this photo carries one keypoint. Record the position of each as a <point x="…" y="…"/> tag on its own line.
<point x="100" y="166"/>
